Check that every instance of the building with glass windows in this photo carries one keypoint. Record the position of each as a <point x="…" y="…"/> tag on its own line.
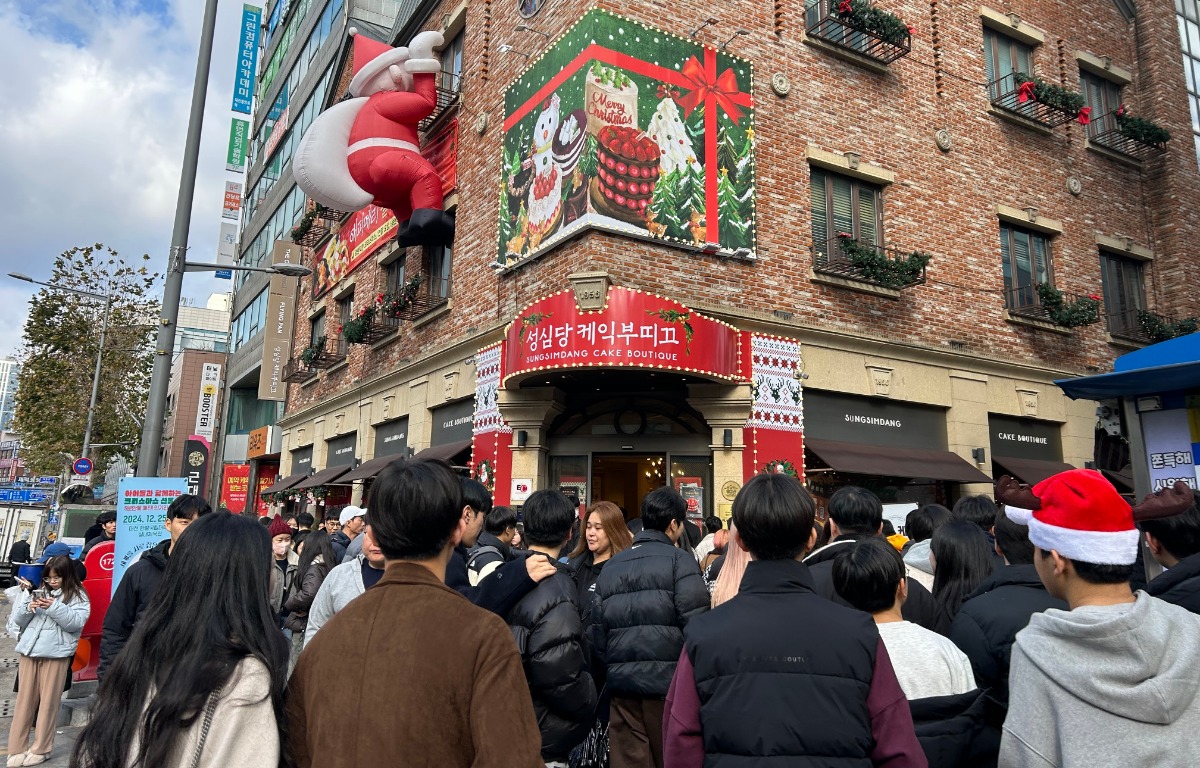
<point x="698" y="242"/>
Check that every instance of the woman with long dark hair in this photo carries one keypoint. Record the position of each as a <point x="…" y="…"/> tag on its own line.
<point x="200" y="682"/>
<point x="316" y="561"/>
<point x="962" y="558"/>
<point x="49" y="620"/>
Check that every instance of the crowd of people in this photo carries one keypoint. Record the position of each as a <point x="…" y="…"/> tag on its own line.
<point x="431" y="628"/>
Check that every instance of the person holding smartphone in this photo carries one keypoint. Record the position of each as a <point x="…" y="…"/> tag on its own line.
<point x="49" y="618"/>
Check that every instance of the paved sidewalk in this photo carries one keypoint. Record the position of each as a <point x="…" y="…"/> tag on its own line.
<point x="72" y="718"/>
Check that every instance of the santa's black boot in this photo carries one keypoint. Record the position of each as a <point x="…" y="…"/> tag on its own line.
<point x="427" y="226"/>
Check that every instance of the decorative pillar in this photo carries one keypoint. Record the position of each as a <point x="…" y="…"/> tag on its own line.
<point x="530" y="411"/>
<point x="724" y="407"/>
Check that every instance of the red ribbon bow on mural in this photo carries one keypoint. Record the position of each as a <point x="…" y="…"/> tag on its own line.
<point x="1085" y="116"/>
<point x="1025" y="92"/>
<point x="724" y="89"/>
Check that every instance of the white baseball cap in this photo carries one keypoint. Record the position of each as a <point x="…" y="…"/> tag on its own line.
<point x="349" y="512"/>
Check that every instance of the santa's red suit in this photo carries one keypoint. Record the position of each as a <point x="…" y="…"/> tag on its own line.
<point x="384" y="155"/>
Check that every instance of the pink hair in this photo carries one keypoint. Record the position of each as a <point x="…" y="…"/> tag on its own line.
<point x="729" y="580"/>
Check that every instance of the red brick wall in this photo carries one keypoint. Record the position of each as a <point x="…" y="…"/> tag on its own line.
<point x="942" y="203"/>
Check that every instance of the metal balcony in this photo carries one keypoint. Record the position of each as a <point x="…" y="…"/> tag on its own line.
<point x="1105" y="131"/>
<point x="1005" y="95"/>
<point x="826" y="25"/>
<point x="831" y="259"/>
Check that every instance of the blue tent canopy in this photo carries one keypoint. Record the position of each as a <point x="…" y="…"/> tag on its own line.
<point x="1169" y="366"/>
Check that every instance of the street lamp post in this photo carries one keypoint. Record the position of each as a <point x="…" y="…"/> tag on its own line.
<point x="91" y="412"/>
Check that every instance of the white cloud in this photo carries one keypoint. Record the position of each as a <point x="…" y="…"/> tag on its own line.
<point x="92" y="125"/>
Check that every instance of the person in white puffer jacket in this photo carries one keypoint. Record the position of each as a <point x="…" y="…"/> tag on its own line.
<point x="49" y="625"/>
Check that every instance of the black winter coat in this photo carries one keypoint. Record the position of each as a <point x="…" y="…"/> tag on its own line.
<point x="1179" y="585"/>
<point x="948" y="727"/>
<point x="300" y="601"/>
<point x="340" y="542"/>
<point x="989" y="620"/>
<point x="648" y="593"/>
<point x="499" y="592"/>
<point x="781" y="667"/>
<point x="920" y="607"/>
<point x="19" y="553"/>
<point x="586" y="573"/>
<point x="134" y="593"/>
<point x="549" y="634"/>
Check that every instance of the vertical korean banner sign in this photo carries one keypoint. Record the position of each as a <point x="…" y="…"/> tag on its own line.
<point x="141" y="515"/>
<point x="243" y="85"/>
<point x="235" y="487"/>
<point x="1172" y="438"/>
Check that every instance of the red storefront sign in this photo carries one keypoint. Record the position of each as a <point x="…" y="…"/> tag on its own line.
<point x="267" y="475"/>
<point x="235" y="487"/>
<point x="634" y="330"/>
<point x="361" y="235"/>
<point x="441" y="150"/>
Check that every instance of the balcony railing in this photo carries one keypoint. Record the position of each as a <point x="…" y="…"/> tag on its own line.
<point x="824" y="23"/>
<point x="884" y="266"/>
<point x="1025" y="302"/>
<point x="1146" y="327"/>
<point x="296" y="371"/>
<point x="1105" y="131"/>
<point x="317" y="231"/>
<point x="380" y="328"/>
<point x="447" y="97"/>
<point x="328" y="356"/>
<point x="432" y="294"/>
<point x="1005" y="94"/>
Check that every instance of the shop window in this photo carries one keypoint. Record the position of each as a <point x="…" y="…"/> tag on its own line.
<point x="452" y="63"/>
<point x="1103" y="96"/>
<point x="1025" y="257"/>
<point x="841" y="204"/>
<point x="1124" y="292"/>
<point x="569" y="474"/>
<point x="1003" y="56"/>
<point x="438" y="267"/>
<point x="345" y="308"/>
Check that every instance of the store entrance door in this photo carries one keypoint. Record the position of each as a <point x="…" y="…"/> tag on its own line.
<point x="625" y="479"/>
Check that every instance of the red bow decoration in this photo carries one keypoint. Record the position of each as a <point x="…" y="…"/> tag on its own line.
<point x="1121" y="111"/>
<point x="1085" y="115"/>
<point x="1025" y="92"/>
<point x="844" y="7"/>
<point x="724" y="89"/>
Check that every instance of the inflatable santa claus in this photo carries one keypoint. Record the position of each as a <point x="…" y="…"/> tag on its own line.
<point x="366" y="149"/>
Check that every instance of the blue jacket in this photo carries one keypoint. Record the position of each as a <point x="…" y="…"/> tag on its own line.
<point x="49" y="633"/>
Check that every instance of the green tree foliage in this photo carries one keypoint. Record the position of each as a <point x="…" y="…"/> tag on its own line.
<point x="62" y="335"/>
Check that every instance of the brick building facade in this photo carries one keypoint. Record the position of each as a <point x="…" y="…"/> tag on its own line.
<point x="941" y="156"/>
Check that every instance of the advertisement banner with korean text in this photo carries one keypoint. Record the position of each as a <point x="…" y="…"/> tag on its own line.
<point x="232" y="205"/>
<point x="195" y="465"/>
<point x="359" y="236"/>
<point x="634" y="330"/>
<point x="235" y="487"/>
<point x="247" y="61"/>
<point x="277" y="337"/>
<point x="1172" y="439"/>
<point x="206" y="410"/>
<point x="235" y="157"/>
<point x="268" y="474"/>
<point x="141" y="517"/>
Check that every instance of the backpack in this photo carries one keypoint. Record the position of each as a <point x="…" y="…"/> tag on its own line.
<point x="482" y="550"/>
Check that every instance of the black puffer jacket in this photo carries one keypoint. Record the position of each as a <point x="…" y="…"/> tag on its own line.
<point x="948" y="727"/>
<point x="586" y="573"/>
<point x="549" y="634"/>
<point x="300" y="601"/>
<point x="137" y="587"/>
<point x="920" y="607"/>
<point x="989" y="620"/>
<point x="1179" y="585"/>
<point x="648" y="593"/>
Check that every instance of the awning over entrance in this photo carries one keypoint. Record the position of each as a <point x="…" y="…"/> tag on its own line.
<point x="1168" y="366"/>
<point x="285" y="484"/>
<point x="888" y="461"/>
<point x="369" y="469"/>
<point x="1030" y="471"/>
<point x="444" y="452"/>
<point x="324" y="477"/>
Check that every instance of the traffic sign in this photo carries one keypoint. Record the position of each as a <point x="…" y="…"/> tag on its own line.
<point x="48" y="480"/>
<point x="80" y="480"/>
<point x="22" y="496"/>
<point x="82" y="466"/>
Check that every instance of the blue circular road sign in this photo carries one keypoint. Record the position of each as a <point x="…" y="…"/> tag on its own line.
<point x="82" y="466"/>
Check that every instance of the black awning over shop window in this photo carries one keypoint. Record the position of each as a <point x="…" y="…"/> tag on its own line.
<point x="889" y="461"/>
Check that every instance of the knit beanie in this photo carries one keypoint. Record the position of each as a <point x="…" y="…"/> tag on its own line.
<point x="1081" y="517"/>
<point x="279" y="527"/>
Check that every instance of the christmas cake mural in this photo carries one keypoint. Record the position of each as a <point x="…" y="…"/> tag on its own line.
<point x="622" y="127"/>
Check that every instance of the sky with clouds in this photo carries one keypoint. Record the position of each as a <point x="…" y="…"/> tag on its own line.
<point x="93" y="116"/>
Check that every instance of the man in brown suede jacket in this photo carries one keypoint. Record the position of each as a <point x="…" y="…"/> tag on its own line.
<point x="437" y="681"/>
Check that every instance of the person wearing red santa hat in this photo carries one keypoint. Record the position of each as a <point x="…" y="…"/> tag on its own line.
<point x="1112" y="680"/>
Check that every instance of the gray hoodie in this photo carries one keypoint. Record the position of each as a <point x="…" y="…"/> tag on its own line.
<point x="1111" y="685"/>
<point x="343" y="584"/>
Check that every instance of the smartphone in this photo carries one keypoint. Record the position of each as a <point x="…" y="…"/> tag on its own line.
<point x="40" y="593"/>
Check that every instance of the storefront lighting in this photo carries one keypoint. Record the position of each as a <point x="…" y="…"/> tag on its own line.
<point x="707" y="23"/>
<point x="736" y="35"/>
<point x="727" y="438"/>
<point x="527" y="28"/>
<point x="979" y="454"/>
<point x="522" y="438"/>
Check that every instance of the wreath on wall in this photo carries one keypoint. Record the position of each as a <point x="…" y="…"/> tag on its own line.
<point x="485" y="472"/>
<point x="780" y="467"/>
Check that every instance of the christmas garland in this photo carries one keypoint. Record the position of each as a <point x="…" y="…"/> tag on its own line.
<point x="780" y="467"/>
<point x="393" y="304"/>
<point x="305" y="224"/>
<point x="1140" y="129"/>
<point x="876" y="266"/>
<point x="485" y="472"/>
<point x="1158" y="329"/>
<point x="354" y="330"/>
<point x="863" y="16"/>
<point x="1055" y="96"/>
<point x="1069" y="314"/>
<point x="313" y="350"/>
